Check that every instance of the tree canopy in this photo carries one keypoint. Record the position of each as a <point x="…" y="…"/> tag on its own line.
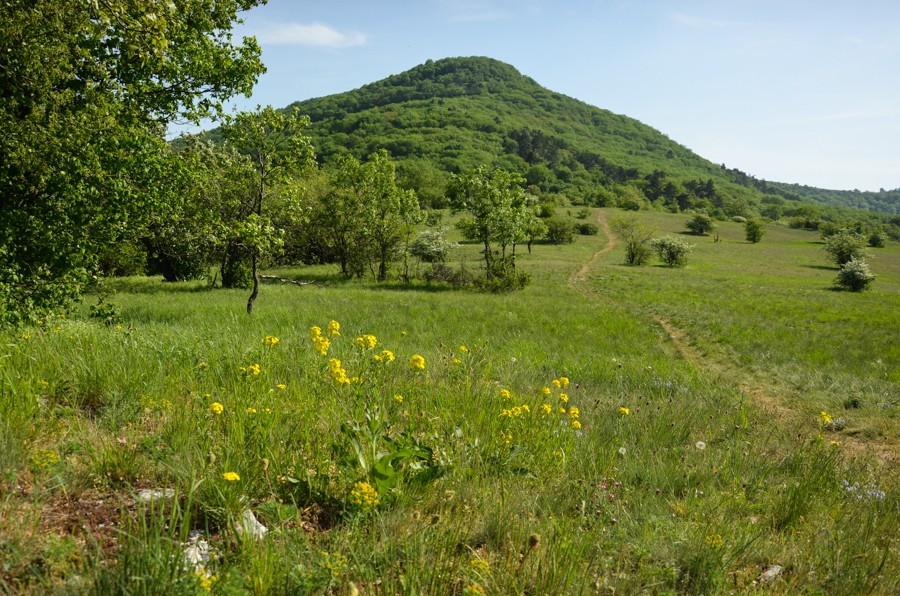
<point x="86" y="89"/>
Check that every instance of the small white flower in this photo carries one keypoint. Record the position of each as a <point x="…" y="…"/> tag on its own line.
<point x="622" y="451"/>
<point x="700" y="445"/>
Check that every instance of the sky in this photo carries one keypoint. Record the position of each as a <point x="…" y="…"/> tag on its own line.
<point x="804" y="91"/>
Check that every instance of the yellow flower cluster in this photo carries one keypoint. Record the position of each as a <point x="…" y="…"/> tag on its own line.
<point x="44" y="459"/>
<point x="715" y="540"/>
<point x="473" y="590"/>
<point x="505" y="394"/>
<point x="417" y="362"/>
<point x="251" y="371"/>
<point x="624" y="411"/>
<point x="320" y="342"/>
<point x="464" y="349"/>
<point x="271" y="341"/>
<point x="338" y="373"/>
<point x="515" y="411"/>
<point x="384" y="356"/>
<point x="364" y="496"/>
<point x="216" y="408"/>
<point x="825" y="418"/>
<point x="231" y="476"/>
<point x="546" y="409"/>
<point x="333" y="328"/>
<point x="366" y="342"/>
<point x="205" y="580"/>
<point x="480" y="566"/>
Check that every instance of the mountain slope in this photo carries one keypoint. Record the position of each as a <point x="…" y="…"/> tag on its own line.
<point x="454" y="114"/>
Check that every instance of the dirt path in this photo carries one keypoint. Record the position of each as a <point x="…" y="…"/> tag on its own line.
<point x="580" y="276"/>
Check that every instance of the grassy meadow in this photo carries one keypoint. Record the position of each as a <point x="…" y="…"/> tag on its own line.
<point x="728" y="427"/>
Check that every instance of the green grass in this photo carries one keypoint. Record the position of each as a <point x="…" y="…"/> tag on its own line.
<point x="697" y="489"/>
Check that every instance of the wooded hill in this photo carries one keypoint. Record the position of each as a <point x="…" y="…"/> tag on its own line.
<point x="451" y="115"/>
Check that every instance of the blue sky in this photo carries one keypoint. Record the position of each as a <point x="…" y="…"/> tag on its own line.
<point x="801" y="91"/>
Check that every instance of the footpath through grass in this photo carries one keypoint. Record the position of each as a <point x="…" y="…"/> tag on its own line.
<point x="548" y="441"/>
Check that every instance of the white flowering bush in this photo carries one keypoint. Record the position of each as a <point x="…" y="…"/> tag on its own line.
<point x="855" y="275"/>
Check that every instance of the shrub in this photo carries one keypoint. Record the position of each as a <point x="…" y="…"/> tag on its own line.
<point x="431" y="246"/>
<point x="672" y="251"/>
<point x="844" y="246"/>
<point x="503" y="277"/>
<point x="754" y="230"/>
<point x="560" y="231"/>
<point x="636" y="237"/>
<point x="876" y="240"/>
<point x="855" y="275"/>
<point x="701" y="224"/>
<point x="583" y="213"/>
<point x="587" y="229"/>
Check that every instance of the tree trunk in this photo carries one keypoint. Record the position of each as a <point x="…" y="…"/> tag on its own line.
<point x="487" y="259"/>
<point x="255" y="292"/>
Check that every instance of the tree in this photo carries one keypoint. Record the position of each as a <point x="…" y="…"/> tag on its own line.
<point x="844" y="246"/>
<point x="701" y="224"/>
<point x="672" y="251"/>
<point x="274" y="144"/>
<point x="86" y="89"/>
<point x="637" y="236"/>
<point x="754" y="230"/>
<point x="560" y="231"/>
<point x="497" y="203"/>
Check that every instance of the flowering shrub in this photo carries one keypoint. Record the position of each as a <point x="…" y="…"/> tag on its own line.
<point x="855" y="275"/>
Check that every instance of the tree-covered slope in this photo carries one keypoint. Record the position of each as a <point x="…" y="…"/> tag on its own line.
<point x="453" y="114"/>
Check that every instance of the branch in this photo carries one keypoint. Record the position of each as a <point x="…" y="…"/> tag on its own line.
<point x="293" y="281"/>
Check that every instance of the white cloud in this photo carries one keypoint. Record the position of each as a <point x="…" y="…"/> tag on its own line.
<point x="313" y="34"/>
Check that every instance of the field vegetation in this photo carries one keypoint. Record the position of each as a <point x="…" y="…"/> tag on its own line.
<point x="729" y="426"/>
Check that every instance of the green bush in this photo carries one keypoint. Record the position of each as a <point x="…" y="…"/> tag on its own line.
<point x="583" y="213"/>
<point x="754" y="230"/>
<point x="701" y="224"/>
<point x="855" y="275"/>
<point x="844" y="246"/>
<point x="587" y="229"/>
<point x="672" y="251"/>
<point x="876" y="240"/>
<point x="560" y="231"/>
<point x="637" y="236"/>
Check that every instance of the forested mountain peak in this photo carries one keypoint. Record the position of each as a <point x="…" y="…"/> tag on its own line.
<point x="450" y="115"/>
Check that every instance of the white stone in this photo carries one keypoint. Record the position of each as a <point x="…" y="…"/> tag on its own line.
<point x="249" y="525"/>
<point x="148" y="495"/>
<point x="770" y="573"/>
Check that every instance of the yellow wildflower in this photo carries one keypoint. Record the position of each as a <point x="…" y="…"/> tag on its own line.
<point x="417" y="362"/>
<point x="216" y="408"/>
<point x="473" y="590"/>
<point x="545" y="391"/>
<point x="564" y="381"/>
<point x="825" y="418"/>
<point x="573" y="412"/>
<point x="252" y="371"/>
<point x="576" y="425"/>
<point x="364" y="496"/>
<point x="271" y="341"/>
<point x="546" y="408"/>
<point x="333" y="328"/>
<point x="464" y="349"/>
<point x="281" y="386"/>
<point x="556" y="383"/>
<point x="624" y="411"/>
<point x="203" y="365"/>
<point x="715" y="540"/>
<point x="457" y="361"/>
<point x="315" y="332"/>
<point x="564" y="397"/>
<point x="480" y="566"/>
<point x="505" y="394"/>
<point x="367" y="342"/>
<point x="251" y="410"/>
<point x="398" y="398"/>
<point x="320" y="345"/>
<point x="231" y="476"/>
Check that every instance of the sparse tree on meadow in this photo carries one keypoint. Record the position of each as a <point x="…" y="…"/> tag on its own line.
<point x="274" y="143"/>
<point x="754" y="230"/>
<point x="844" y="246"/>
<point x="497" y="203"/>
<point x="637" y="236"/>
<point x="701" y="224"/>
